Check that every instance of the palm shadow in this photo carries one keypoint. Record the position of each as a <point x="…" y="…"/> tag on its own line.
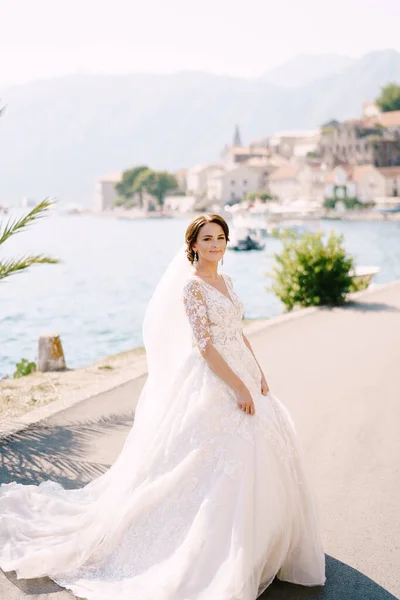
<point x="57" y="452"/>
<point x="342" y="583"/>
<point x="39" y="586"/>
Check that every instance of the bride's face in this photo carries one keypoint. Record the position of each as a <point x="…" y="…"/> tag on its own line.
<point x="211" y="243"/>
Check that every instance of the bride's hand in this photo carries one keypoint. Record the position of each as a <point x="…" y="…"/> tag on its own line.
<point x="264" y="385"/>
<point x="245" y="401"/>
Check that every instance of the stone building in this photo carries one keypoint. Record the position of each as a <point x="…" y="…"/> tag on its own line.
<point x="105" y="192"/>
<point x="232" y="184"/>
<point x="365" y="182"/>
<point x="294" y="144"/>
<point x="311" y="177"/>
<point x="197" y="178"/>
<point x="283" y="183"/>
<point x="371" y="140"/>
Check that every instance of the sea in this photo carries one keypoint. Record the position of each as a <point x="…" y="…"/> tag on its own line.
<point x="96" y="297"/>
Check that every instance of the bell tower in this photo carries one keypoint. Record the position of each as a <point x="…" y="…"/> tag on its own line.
<point x="237" y="140"/>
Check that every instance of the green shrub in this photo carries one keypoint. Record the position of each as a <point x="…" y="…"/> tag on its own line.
<point x="352" y="203"/>
<point x="23" y="368"/>
<point x="359" y="283"/>
<point x="119" y="201"/>
<point x="330" y="203"/>
<point x="309" y="272"/>
<point x="258" y="196"/>
<point x="284" y="233"/>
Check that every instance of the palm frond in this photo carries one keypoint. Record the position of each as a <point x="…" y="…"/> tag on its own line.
<point x="13" y="226"/>
<point x="12" y="266"/>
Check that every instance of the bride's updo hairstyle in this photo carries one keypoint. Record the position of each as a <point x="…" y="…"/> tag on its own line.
<point x="194" y="227"/>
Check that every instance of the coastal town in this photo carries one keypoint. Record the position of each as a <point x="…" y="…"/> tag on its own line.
<point x="341" y="165"/>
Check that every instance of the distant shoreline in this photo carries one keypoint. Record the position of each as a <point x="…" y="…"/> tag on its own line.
<point x="358" y="215"/>
<point x="135" y="214"/>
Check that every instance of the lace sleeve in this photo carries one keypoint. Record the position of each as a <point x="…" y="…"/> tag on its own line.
<point x="197" y="313"/>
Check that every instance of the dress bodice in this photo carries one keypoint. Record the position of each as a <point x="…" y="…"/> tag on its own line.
<point x="212" y="314"/>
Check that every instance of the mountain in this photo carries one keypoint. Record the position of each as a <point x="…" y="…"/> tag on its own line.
<point x="59" y="135"/>
<point x="306" y="68"/>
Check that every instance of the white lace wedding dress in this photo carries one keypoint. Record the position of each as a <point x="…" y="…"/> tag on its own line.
<point x="213" y="509"/>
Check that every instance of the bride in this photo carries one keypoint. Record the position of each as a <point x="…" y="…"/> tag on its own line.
<point x="208" y="499"/>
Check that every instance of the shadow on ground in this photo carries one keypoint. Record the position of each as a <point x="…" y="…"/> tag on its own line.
<point x="342" y="583"/>
<point x="370" y="307"/>
<point x="57" y="452"/>
<point x="42" y="587"/>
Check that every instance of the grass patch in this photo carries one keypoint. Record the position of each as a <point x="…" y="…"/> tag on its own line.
<point x="246" y="322"/>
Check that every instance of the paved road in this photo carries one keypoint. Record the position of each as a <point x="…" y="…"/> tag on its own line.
<point x="338" y="372"/>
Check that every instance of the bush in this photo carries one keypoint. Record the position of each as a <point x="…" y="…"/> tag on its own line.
<point x="119" y="201"/>
<point x="310" y="272"/>
<point x="330" y="203"/>
<point x="258" y="196"/>
<point x="352" y="203"/>
<point x="359" y="283"/>
<point x="327" y="130"/>
<point x="23" y="368"/>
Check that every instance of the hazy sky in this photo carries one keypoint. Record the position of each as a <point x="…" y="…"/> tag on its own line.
<point x="239" y="37"/>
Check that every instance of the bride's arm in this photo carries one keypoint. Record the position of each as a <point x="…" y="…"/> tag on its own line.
<point x="197" y="314"/>
<point x="221" y="367"/>
<point x="246" y="341"/>
<point x="264" y="384"/>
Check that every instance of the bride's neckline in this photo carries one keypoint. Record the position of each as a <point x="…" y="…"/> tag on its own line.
<point x="227" y="296"/>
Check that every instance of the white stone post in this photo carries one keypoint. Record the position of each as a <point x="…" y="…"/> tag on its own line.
<point x="51" y="354"/>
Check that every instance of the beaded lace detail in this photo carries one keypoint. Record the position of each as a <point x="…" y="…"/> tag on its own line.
<point x="212" y="315"/>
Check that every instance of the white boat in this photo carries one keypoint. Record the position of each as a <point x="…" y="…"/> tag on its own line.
<point x="365" y="273"/>
<point x="245" y="239"/>
<point x="387" y="205"/>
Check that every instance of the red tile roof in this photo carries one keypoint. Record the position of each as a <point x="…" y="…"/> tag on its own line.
<point x="361" y="170"/>
<point x="389" y="172"/>
<point x="389" y="119"/>
<point x="287" y="172"/>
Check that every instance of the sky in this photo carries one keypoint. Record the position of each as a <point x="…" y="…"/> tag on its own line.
<point x="45" y="38"/>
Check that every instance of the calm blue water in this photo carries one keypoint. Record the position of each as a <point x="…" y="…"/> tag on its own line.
<point x="96" y="298"/>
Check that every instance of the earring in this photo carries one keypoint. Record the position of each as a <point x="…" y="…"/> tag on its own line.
<point x="196" y="261"/>
<point x="222" y="260"/>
